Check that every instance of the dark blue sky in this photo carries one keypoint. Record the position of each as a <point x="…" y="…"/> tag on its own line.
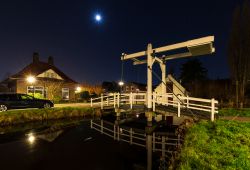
<point x="90" y="52"/>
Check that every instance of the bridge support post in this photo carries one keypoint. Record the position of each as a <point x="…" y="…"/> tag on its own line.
<point x="154" y="100"/>
<point x="149" y="75"/>
<point x="149" y="132"/>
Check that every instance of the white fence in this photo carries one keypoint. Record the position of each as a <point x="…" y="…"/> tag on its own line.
<point x="117" y="99"/>
<point x="168" y="99"/>
<point x="161" y="144"/>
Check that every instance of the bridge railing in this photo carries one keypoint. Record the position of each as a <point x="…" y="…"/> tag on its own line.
<point x="206" y="105"/>
<point x="117" y="99"/>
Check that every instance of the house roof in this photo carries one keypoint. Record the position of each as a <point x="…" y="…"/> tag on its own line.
<point x="36" y="68"/>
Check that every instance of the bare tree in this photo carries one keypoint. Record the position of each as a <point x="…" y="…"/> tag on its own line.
<point x="239" y="50"/>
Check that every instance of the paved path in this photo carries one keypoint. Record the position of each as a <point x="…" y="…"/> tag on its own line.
<point x="72" y="105"/>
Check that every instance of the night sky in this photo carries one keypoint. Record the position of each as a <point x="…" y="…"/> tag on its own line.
<point x="90" y="52"/>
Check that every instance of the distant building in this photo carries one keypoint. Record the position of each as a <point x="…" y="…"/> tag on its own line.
<point x="50" y="82"/>
<point x="134" y="87"/>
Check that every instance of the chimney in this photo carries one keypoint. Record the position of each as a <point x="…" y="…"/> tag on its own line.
<point x="35" y="57"/>
<point x="51" y="60"/>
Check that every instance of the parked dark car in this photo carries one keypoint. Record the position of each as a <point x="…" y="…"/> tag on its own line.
<point x="21" y="101"/>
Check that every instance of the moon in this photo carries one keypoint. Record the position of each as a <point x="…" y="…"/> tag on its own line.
<point x="98" y="17"/>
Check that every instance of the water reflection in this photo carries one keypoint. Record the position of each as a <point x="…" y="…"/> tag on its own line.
<point x="49" y="136"/>
<point x="31" y="138"/>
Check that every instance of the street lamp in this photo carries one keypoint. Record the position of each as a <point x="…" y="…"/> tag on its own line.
<point x="121" y="83"/>
<point x="31" y="80"/>
<point x="78" y="89"/>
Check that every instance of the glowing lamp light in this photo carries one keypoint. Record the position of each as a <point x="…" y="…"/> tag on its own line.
<point x="31" y="79"/>
<point x="78" y="89"/>
<point x="121" y="83"/>
<point x="137" y="115"/>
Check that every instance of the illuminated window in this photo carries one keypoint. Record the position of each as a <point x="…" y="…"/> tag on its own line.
<point x="39" y="91"/>
<point x="65" y="93"/>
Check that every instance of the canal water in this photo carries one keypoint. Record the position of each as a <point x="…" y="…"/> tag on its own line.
<point x="74" y="147"/>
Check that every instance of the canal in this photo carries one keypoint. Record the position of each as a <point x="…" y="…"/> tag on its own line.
<point x="74" y="147"/>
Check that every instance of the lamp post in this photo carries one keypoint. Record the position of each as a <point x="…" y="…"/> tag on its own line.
<point x="121" y="83"/>
<point x="77" y="92"/>
<point x="31" y="80"/>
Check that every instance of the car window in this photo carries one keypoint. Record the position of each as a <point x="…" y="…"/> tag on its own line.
<point x="26" y="97"/>
<point x="6" y="97"/>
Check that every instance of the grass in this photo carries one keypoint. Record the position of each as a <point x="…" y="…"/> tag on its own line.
<point x="33" y="115"/>
<point x="218" y="145"/>
<point x="234" y="112"/>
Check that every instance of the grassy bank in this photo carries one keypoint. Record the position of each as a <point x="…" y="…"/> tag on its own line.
<point x="219" y="145"/>
<point x="234" y="112"/>
<point x="24" y="116"/>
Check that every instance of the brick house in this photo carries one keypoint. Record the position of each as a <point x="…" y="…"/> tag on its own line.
<point x="51" y="83"/>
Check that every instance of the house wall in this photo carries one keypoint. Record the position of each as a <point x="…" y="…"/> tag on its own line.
<point x="54" y="88"/>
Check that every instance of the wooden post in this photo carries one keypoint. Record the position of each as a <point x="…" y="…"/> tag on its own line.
<point x="114" y="132"/>
<point x="131" y="136"/>
<point x="153" y="141"/>
<point x="179" y="109"/>
<point x="212" y="109"/>
<point x="114" y="100"/>
<point x="154" y="98"/>
<point x="91" y="123"/>
<point x="101" y="126"/>
<point x="187" y="101"/>
<point x="131" y="100"/>
<point x="163" y="146"/>
<point x="101" y="101"/>
<point x="118" y="100"/>
<point x="118" y="133"/>
<point x="91" y="102"/>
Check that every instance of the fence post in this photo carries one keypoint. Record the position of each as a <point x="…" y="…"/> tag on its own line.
<point x="101" y="101"/>
<point x="212" y="109"/>
<point x="131" y="100"/>
<point x="179" y="109"/>
<point x="118" y="133"/>
<point x="153" y="141"/>
<point x="187" y="101"/>
<point x="118" y="100"/>
<point x="154" y="98"/>
<point x="91" y="123"/>
<point x="114" y="132"/>
<point x="91" y="102"/>
<point x="101" y="126"/>
<point x="163" y="147"/>
<point x="131" y="136"/>
<point x="114" y="100"/>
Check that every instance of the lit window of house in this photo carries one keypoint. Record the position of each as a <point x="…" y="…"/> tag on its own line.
<point x="65" y="93"/>
<point x="38" y="91"/>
